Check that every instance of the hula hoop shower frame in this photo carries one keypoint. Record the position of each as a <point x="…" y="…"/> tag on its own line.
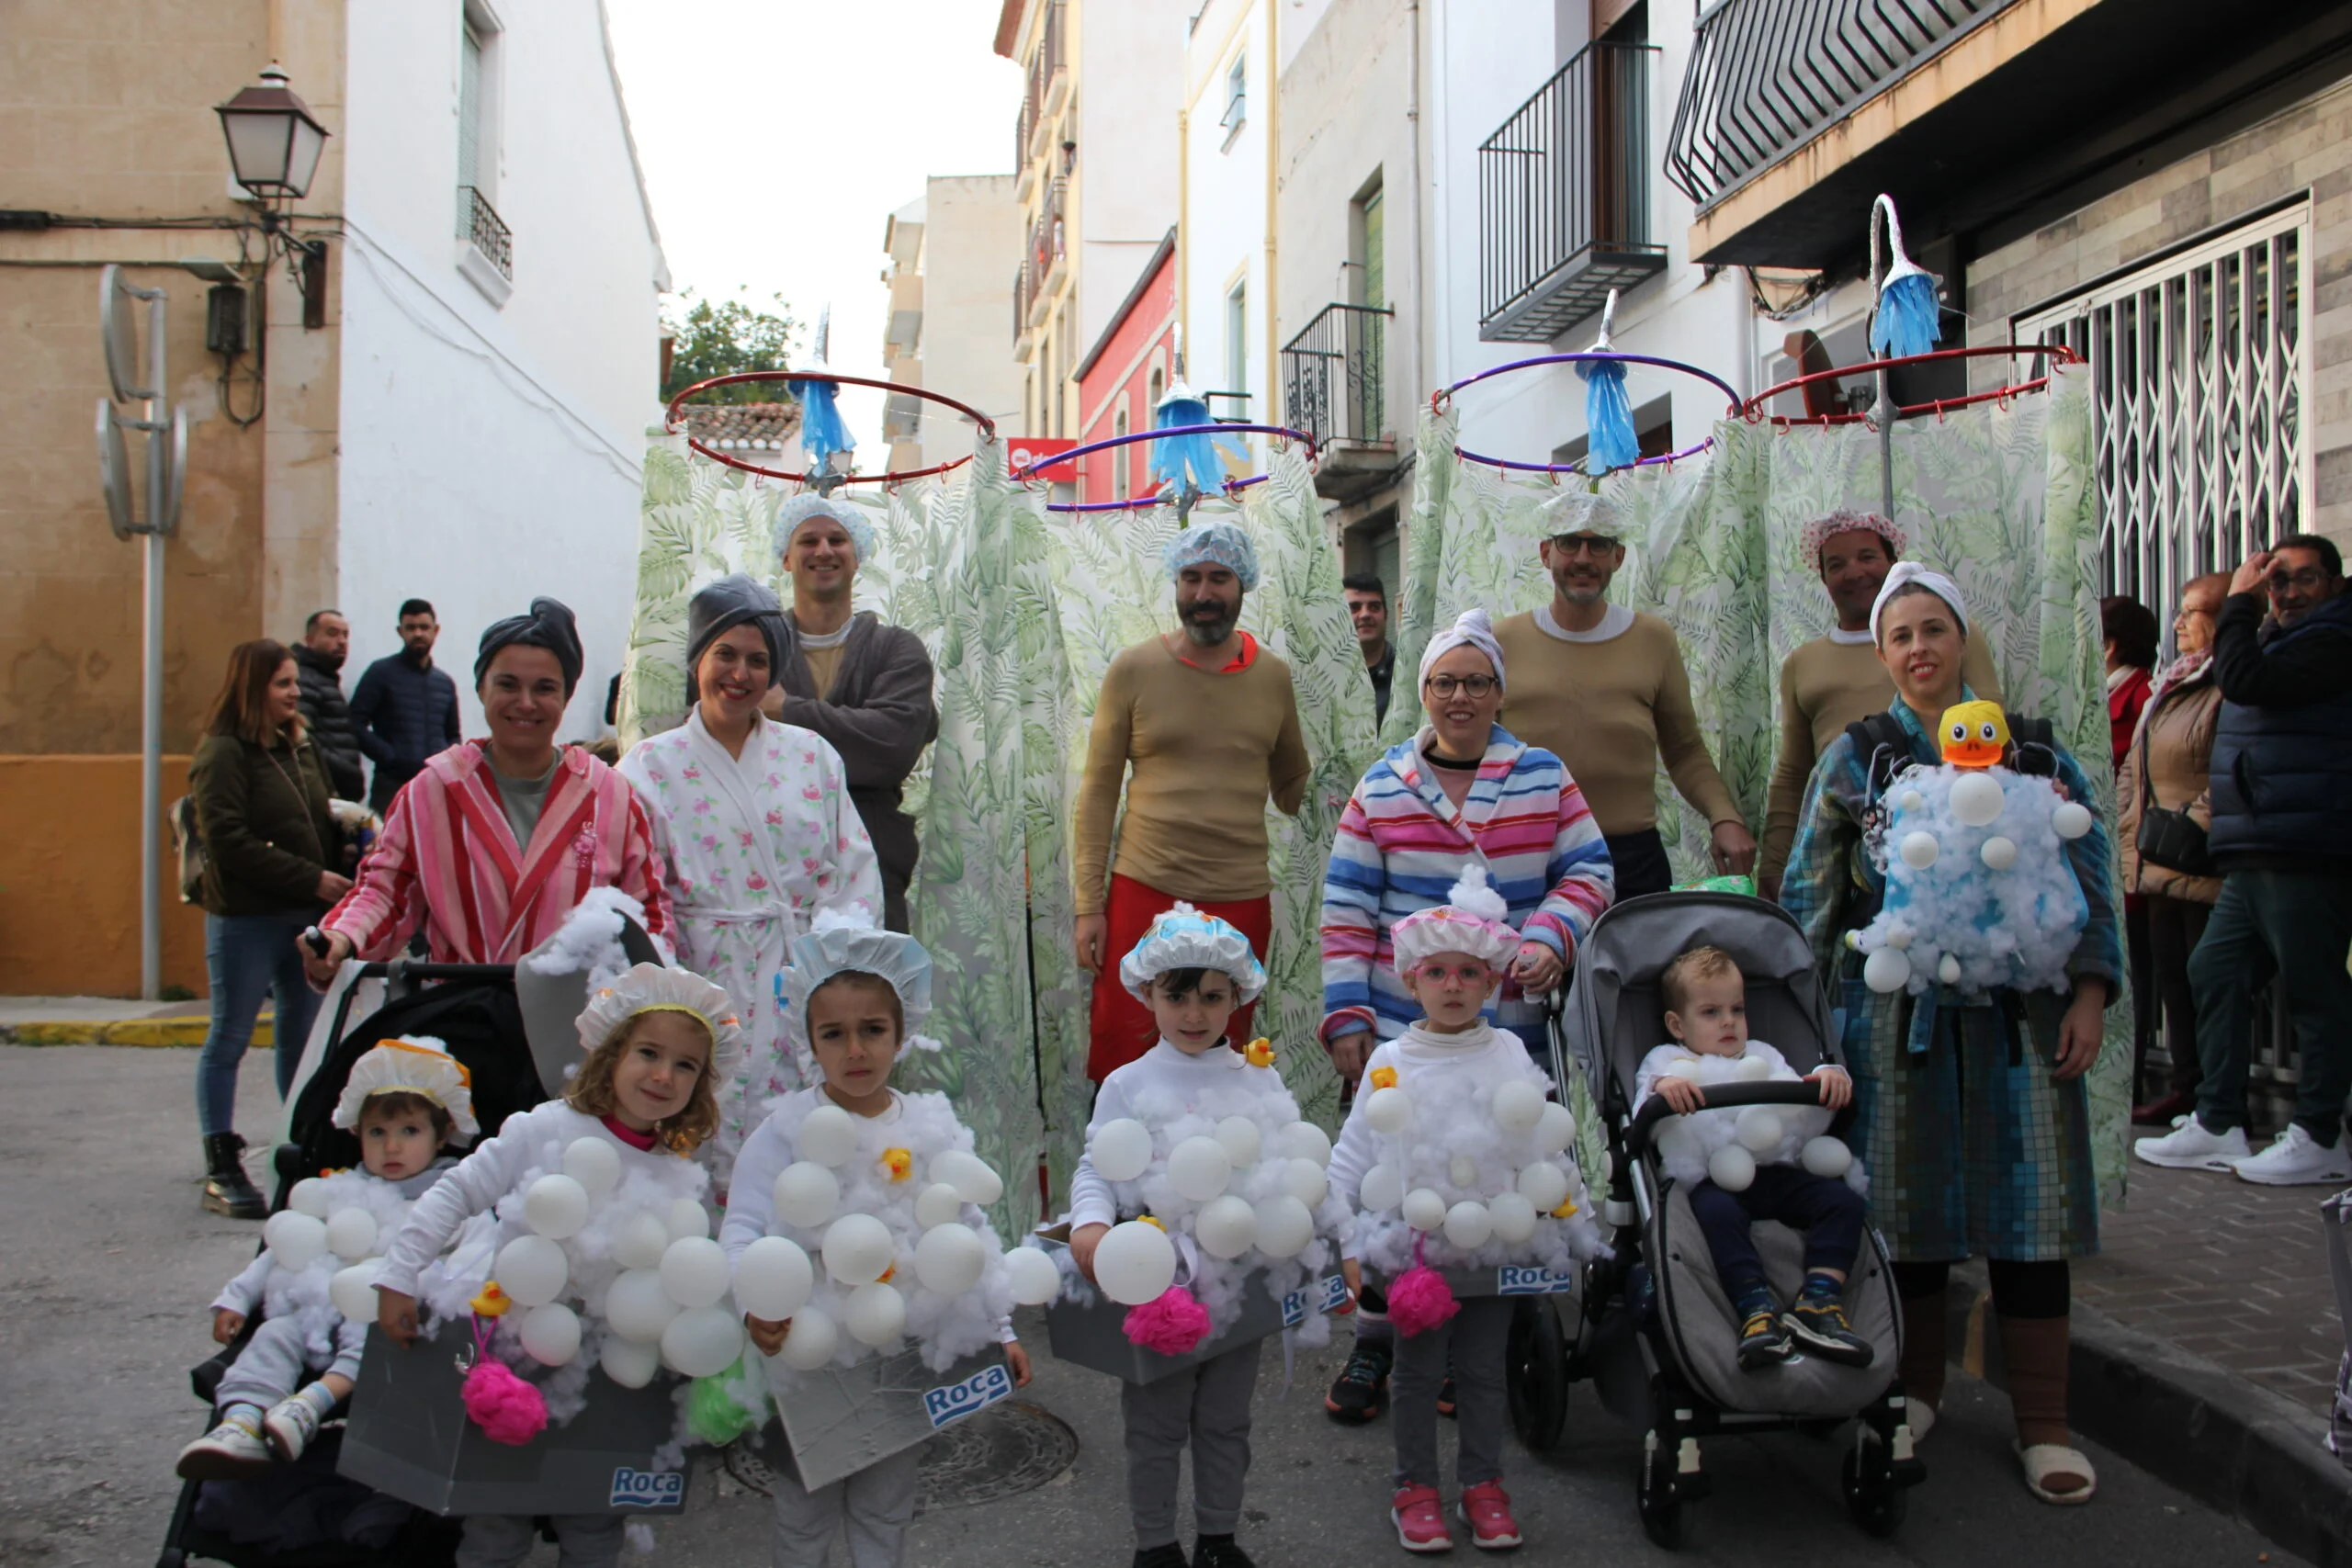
<point x="1161" y="497"/>
<point x="2057" y="354"/>
<point x="1438" y="400"/>
<point x="670" y="421"/>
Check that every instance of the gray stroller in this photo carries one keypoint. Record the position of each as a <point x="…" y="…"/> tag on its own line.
<point x="1652" y="1329"/>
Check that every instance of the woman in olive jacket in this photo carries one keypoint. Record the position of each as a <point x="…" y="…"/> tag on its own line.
<point x="273" y="862"/>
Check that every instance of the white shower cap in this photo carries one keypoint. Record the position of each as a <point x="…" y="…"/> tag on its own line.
<point x="1213" y="544"/>
<point x="805" y="508"/>
<point x="1473" y="919"/>
<point x="1470" y="630"/>
<point x="1580" y="510"/>
<point x="654" y="988"/>
<point x="1907" y="573"/>
<point x="1183" y="938"/>
<point x="842" y="943"/>
<point x="422" y="1066"/>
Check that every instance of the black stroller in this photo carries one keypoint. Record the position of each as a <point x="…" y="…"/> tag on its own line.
<point x="1652" y="1329"/>
<point x="470" y="1008"/>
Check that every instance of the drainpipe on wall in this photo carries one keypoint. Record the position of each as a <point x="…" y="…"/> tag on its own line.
<point x="1413" y="214"/>
<point x="1273" y="152"/>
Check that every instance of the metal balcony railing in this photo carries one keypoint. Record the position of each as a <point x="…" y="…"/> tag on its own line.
<point x="1564" y="209"/>
<point x="1045" y="237"/>
<point x="1332" y="375"/>
<point x="479" y="223"/>
<point x="1020" y="302"/>
<point x="1044" y="66"/>
<point x="1767" y="77"/>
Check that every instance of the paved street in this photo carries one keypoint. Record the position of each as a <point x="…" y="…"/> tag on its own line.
<point x="110" y="1264"/>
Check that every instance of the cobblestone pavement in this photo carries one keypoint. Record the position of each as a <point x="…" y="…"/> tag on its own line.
<point x="2225" y="1269"/>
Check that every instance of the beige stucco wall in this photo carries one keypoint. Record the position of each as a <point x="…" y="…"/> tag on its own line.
<point x="972" y="238"/>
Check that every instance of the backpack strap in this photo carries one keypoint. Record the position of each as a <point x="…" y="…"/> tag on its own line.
<point x="1880" y="742"/>
<point x="2033" y="747"/>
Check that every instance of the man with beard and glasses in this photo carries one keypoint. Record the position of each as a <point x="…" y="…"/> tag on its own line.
<point x="1837" y="679"/>
<point x="318" y="658"/>
<point x="1207" y="721"/>
<point x="1602" y="687"/>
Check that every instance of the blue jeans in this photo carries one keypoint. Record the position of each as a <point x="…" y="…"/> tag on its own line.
<point x="249" y="957"/>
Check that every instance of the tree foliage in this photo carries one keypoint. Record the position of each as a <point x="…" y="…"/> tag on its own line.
<point x="724" y="339"/>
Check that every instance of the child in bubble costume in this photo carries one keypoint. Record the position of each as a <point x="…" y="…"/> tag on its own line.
<point x="656" y="1040"/>
<point x="403" y="1100"/>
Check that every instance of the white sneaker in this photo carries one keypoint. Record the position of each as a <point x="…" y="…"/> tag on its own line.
<point x="231" y="1451"/>
<point x="2188" y="1147"/>
<point x="289" y="1426"/>
<point x="2295" y="1159"/>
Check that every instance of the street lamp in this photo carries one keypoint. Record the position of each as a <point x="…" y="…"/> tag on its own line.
<point x="274" y="140"/>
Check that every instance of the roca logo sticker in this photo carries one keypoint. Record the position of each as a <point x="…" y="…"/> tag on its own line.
<point x="953" y="1401"/>
<point x="1327" y="1295"/>
<point x="1522" y="1279"/>
<point x="648" y="1488"/>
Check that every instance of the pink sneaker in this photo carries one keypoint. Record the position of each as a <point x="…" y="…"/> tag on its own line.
<point x="1486" y="1508"/>
<point x="1420" y="1517"/>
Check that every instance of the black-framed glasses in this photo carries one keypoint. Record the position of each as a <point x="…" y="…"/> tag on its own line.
<point x="1444" y="686"/>
<point x="2310" y="577"/>
<point x="1593" y="545"/>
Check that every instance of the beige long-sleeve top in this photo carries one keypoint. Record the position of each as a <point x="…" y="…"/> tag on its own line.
<point x="1610" y="709"/>
<point x="1826" y="684"/>
<point x="1200" y="752"/>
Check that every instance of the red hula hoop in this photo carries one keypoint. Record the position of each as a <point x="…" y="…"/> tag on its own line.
<point x="2058" y="354"/>
<point x="1437" y="401"/>
<point x="670" y="421"/>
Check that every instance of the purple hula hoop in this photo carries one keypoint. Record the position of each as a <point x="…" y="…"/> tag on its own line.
<point x="1438" y="399"/>
<point x="1157" y="498"/>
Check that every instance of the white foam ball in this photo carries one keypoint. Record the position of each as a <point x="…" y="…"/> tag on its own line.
<point x="1468" y="1225"/>
<point x="1732" y="1167"/>
<point x="1514" y="1217"/>
<point x="1033" y="1277"/>
<point x="773" y="1279"/>
<point x="1757" y="1128"/>
<point x="1387" y="1110"/>
<point x="693" y="1272"/>
<point x="1462" y="1171"/>
<point x="531" y="1269"/>
<point x="637" y="1307"/>
<point x="352" y="1290"/>
<point x="1135" y="1263"/>
<point x="973" y="1178"/>
<point x="550" y="1333"/>
<point x="1305" y="1180"/>
<point x="828" y="1136"/>
<point x="1199" y="1169"/>
<point x="1998" y="853"/>
<point x="1226" y="1227"/>
<point x="1242" y="1140"/>
<point x="1755" y="1069"/>
<point x="702" y="1341"/>
<point x="1383" y="1189"/>
<point x="1675" y="1142"/>
<point x="1544" y="1184"/>
<point x="807" y="1194"/>
<point x="309" y="1196"/>
<point x="296" y="1240"/>
<point x="1518" y="1105"/>
<point x="2071" y="820"/>
<point x="1919" y="849"/>
<point x="1684" y="1067"/>
<point x="812" y="1341"/>
<point x="628" y="1362"/>
<point x="1120" y="1149"/>
<point x="1912" y="800"/>
<point x="686" y="1217"/>
<point x="1898" y="937"/>
<point x="1826" y="1157"/>
<point x="858" y="1250"/>
<point x="1886" y="969"/>
<point x="1555" y="1128"/>
<point x="1948" y="969"/>
<point x="938" y="1204"/>
<point x="1976" y="799"/>
<point x="351" y="1234"/>
<point x="1304" y="1140"/>
<point x="875" y="1313"/>
<point x="595" y="1164"/>
<point x="640" y="1241"/>
<point x="1424" y="1209"/>
<point x="949" y="1258"/>
<point x="556" y="1207"/>
<point x="1284" y="1227"/>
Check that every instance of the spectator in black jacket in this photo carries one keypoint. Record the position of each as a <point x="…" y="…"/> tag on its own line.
<point x="2282" y="835"/>
<point x="405" y="709"/>
<point x="326" y="642"/>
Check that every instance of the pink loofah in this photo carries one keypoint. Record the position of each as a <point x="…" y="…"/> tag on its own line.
<point x="1170" y="1324"/>
<point x="507" y="1409"/>
<point x="1421" y="1300"/>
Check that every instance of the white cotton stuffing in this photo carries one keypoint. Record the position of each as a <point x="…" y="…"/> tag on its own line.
<point x="590" y="938"/>
<point x="2016" y="927"/>
<point x="302" y="1295"/>
<point x="1685" y="1144"/>
<point x="1453" y="1117"/>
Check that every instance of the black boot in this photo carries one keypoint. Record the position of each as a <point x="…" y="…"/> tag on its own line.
<point x="227" y="1189"/>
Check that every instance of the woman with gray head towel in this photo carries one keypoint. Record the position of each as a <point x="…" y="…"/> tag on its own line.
<point x="758" y="833"/>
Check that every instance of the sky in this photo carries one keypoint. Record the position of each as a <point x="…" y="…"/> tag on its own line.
<point x="778" y="135"/>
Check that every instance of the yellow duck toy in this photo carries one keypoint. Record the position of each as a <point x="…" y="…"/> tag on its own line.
<point x="1974" y="734"/>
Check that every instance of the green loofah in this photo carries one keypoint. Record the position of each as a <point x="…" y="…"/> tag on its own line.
<point x="724" y="1405"/>
<point x="1745" y="886"/>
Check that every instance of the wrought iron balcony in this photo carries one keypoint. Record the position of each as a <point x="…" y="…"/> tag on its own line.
<point x="1046" y="86"/>
<point x="479" y="223"/>
<point x="1332" y="375"/>
<point x="1564" y="211"/>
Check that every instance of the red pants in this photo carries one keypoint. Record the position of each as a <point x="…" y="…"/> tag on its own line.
<point x="1123" y="1028"/>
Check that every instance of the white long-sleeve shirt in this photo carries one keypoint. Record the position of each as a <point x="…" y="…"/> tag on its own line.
<point x="1662" y="1059"/>
<point x="1162" y="1076"/>
<point x="245" y="1292"/>
<point x="1481" y="1049"/>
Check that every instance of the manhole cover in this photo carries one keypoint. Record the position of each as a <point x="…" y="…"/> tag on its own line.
<point x="1001" y="1452"/>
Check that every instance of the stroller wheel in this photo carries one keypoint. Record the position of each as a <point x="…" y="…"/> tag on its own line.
<point x="1664" y="1517"/>
<point x="1538" y="1361"/>
<point x="1876" y="1503"/>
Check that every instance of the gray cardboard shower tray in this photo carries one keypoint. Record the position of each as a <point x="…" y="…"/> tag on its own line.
<point x="1093" y="1334"/>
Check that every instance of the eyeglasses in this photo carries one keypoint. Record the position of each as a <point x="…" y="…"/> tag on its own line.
<point x="1471" y="974"/>
<point x="1583" y="545"/>
<point x="2309" y="578"/>
<point x="1444" y="686"/>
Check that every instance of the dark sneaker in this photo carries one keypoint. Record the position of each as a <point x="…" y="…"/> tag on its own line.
<point x="1171" y="1555"/>
<point x="1360" y="1391"/>
<point x="1820" y="1328"/>
<point x="1763" y="1342"/>
<point x="1445" y="1397"/>
<point x="1220" y="1551"/>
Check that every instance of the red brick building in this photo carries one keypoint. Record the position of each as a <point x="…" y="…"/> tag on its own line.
<point x="1122" y="378"/>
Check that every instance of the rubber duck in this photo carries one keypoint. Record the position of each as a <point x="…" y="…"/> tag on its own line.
<point x="491" y="1302"/>
<point x="1974" y="734"/>
<point x="1384" y="1078"/>
<point x="899" y="1163"/>
<point x="1260" y="1053"/>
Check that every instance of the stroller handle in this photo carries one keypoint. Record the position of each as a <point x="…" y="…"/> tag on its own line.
<point x="1720" y="1097"/>
<point x="418" y="969"/>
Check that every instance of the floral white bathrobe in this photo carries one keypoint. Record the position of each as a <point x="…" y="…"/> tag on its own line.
<point x="753" y="849"/>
